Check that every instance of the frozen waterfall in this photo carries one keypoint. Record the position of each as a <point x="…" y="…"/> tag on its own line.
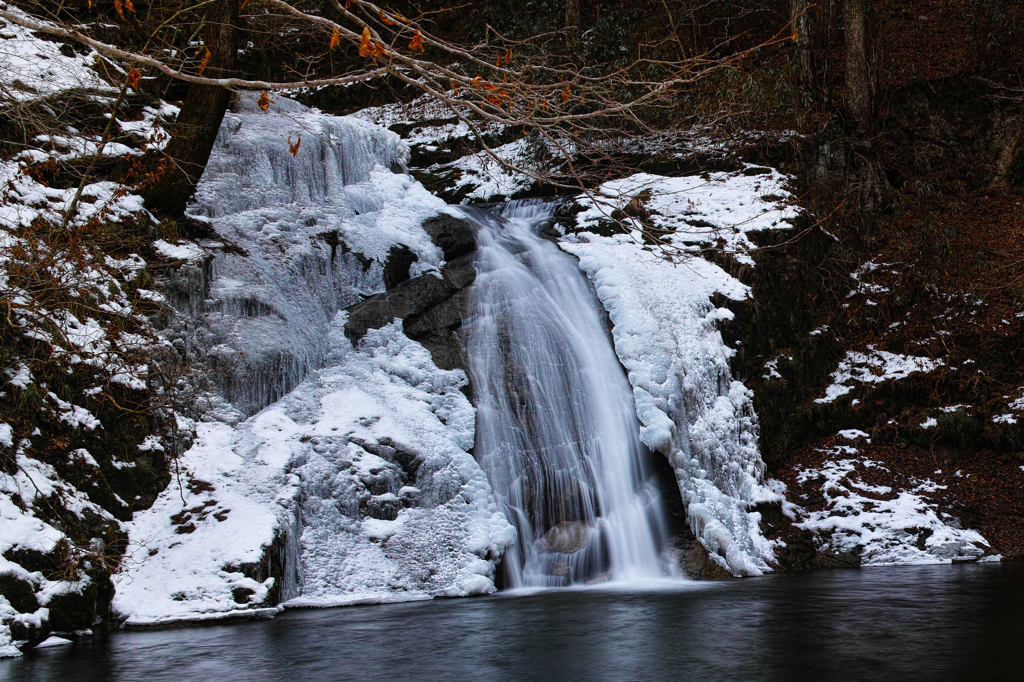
<point x="556" y="428"/>
<point x="298" y="237"/>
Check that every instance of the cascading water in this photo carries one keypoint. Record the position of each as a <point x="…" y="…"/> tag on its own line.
<point x="556" y="428"/>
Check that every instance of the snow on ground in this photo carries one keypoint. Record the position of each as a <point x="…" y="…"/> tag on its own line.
<point x="361" y="473"/>
<point x="34" y="68"/>
<point x="873" y="367"/>
<point x="482" y="177"/>
<point x="422" y="109"/>
<point x="698" y="210"/>
<point x="666" y="335"/>
<point x="431" y="124"/>
<point x="187" y="551"/>
<point x="882" y="525"/>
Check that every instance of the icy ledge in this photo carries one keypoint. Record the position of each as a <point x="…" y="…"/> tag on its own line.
<point x="356" y="487"/>
<point x="689" y="407"/>
<point x="666" y="336"/>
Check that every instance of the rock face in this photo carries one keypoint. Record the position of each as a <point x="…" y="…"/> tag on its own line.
<point x="431" y="306"/>
<point x="455" y="236"/>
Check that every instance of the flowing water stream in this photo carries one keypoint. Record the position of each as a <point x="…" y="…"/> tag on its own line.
<point x="557" y="432"/>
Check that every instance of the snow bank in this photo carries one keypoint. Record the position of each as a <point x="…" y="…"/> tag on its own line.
<point x="718" y="209"/>
<point x="360" y="476"/>
<point x="33" y="68"/>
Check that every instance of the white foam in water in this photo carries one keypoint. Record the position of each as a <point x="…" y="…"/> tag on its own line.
<point x="556" y="428"/>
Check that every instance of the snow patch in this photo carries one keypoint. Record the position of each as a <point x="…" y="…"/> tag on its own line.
<point x="881" y="525"/>
<point x="872" y="367"/>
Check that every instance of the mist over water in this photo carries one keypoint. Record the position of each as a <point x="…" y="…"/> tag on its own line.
<point x="557" y="431"/>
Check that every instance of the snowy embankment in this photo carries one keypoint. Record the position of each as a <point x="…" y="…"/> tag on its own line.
<point x="359" y="477"/>
<point x="865" y="512"/>
<point x="666" y="335"/>
<point x="78" y="340"/>
<point x="354" y="484"/>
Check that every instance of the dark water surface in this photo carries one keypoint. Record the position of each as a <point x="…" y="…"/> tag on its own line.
<point x="920" y="623"/>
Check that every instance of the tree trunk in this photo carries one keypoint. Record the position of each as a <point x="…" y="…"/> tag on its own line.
<point x="802" y="64"/>
<point x="1014" y="132"/>
<point x="201" y="114"/>
<point x="572" y="22"/>
<point x="858" y="80"/>
<point x="869" y="184"/>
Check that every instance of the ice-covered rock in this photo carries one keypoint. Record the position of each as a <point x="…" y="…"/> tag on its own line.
<point x="311" y="227"/>
<point x="690" y="408"/>
<point x="360" y="478"/>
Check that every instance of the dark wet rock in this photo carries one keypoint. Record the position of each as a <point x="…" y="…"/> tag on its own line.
<point x="272" y="564"/>
<point x="446" y="315"/>
<point x="455" y="236"/>
<point x="431" y="307"/>
<point x="409" y="299"/>
<point x="460" y="272"/>
<point x="19" y="593"/>
<point x="384" y="507"/>
<point x="241" y="594"/>
<point x="72" y="611"/>
<point x="446" y="352"/>
<point x="396" y="267"/>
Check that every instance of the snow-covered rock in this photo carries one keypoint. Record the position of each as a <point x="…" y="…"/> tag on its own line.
<point x="879" y="524"/>
<point x="666" y="336"/>
<point x="360" y="476"/>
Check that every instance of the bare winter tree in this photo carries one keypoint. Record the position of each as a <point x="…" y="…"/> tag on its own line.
<point x="802" y="62"/>
<point x="858" y="78"/>
<point x="514" y="83"/>
<point x="572" y="22"/>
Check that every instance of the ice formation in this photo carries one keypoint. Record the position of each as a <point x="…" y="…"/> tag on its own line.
<point x="354" y="482"/>
<point x="313" y="232"/>
<point x="666" y="336"/>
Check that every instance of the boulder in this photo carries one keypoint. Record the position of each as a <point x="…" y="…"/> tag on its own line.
<point x="456" y="237"/>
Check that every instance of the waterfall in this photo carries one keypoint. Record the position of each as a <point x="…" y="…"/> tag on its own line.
<point x="557" y="432"/>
